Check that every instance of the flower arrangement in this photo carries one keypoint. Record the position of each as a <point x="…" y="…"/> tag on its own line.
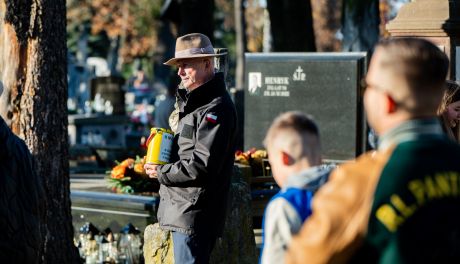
<point x="129" y="176"/>
<point x="257" y="159"/>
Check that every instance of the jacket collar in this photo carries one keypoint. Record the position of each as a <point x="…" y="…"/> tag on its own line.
<point x="202" y="95"/>
<point x="411" y="130"/>
<point x="311" y="178"/>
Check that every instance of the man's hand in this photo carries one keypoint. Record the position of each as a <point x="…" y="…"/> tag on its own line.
<point x="151" y="170"/>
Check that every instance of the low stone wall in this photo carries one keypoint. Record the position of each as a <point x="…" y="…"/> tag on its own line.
<point x="238" y="243"/>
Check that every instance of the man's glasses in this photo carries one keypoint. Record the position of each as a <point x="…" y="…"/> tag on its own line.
<point x="365" y="85"/>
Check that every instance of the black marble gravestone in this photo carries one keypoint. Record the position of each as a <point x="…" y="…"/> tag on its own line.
<point x="110" y="89"/>
<point x="324" y="85"/>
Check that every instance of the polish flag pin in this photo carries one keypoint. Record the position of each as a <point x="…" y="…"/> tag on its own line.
<point x="211" y="118"/>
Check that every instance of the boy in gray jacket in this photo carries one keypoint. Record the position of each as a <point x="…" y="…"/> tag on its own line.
<point x="294" y="152"/>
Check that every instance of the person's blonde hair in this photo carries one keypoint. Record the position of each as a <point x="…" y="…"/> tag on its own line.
<point x="297" y="134"/>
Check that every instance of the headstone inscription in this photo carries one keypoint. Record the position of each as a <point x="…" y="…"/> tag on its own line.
<point x="324" y="85"/>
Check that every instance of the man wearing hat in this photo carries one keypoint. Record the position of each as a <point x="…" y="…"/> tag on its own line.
<point x="194" y="186"/>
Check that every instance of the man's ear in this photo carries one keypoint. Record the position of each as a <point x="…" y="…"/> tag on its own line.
<point x="286" y="158"/>
<point x="391" y="105"/>
<point x="207" y="63"/>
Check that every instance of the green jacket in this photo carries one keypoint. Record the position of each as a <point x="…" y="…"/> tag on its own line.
<point x="415" y="215"/>
<point x="399" y="204"/>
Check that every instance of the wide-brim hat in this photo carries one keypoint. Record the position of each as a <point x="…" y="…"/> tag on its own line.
<point x="190" y="46"/>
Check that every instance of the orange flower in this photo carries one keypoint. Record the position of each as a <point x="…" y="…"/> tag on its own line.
<point x="127" y="163"/>
<point x="118" y="172"/>
<point x="139" y="168"/>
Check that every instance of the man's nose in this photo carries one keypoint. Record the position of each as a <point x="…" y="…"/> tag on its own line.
<point x="180" y="71"/>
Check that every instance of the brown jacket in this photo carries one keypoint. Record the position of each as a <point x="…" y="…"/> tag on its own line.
<point x="341" y="211"/>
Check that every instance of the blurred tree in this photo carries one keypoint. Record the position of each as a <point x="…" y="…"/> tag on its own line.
<point x="241" y="41"/>
<point x="254" y="16"/>
<point x="225" y="35"/>
<point x="133" y="23"/>
<point x="291" y="25"/>
<point x="33" y="69"/>
<point x="163" y="51"/>
<point x="140" y="23"/>
<point x="360" y="24"/>
<point x="191" y="16"/>
<point x="202" y="16"/>
<point x="326" y="16"/>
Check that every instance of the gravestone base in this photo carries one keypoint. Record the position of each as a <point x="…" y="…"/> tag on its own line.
<point x="237" y="244"/>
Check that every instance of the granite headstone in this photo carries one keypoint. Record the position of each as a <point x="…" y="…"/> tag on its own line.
<point x="110" y="89"/>
<point x="324" y="85"/>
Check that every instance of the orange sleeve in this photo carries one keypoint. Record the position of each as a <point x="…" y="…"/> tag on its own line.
<point x="340" y="215"/>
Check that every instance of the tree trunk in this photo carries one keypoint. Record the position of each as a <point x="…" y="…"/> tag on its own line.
<point x="197" y="16"/>
<point x="360" y="24"/>
<point x="34" y="69"/>
<point x="240" y="29"/>
<point x="190" y="16"/>
<point x="327" y="16"/>
<point x="291" y="25"/>
<point x="163" y="52"/>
